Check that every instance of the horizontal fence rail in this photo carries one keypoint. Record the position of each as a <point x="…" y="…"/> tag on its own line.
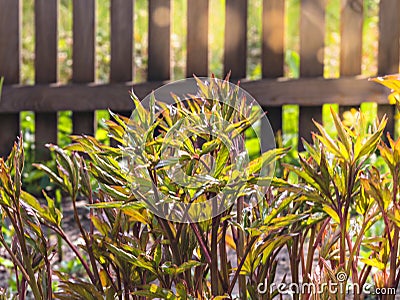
<point x="268" y="92"/>
<point x="83" y="96"/>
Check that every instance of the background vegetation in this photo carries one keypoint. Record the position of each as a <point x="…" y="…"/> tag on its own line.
<point x="178" y="52"/>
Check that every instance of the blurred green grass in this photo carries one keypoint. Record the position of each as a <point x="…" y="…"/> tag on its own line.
<point x="178" y="52"/>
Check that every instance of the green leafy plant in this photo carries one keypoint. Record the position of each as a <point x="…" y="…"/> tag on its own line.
<point x="182" y="259"/>
<point x="29" y="249"/>
<point x="331" y="181"/>
<point x="127" y="251"/>
<point x="337" y="178"/>
<point x="335" y="212"/>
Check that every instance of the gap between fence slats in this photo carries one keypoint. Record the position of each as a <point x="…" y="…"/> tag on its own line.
<point x="83" y="58"/>
<point x="10" y="12"/>
<point x="312" y="37"/>
<point x="388" y="51"/>
<point x="197" y="38"/>
<point x="235" y="49"/>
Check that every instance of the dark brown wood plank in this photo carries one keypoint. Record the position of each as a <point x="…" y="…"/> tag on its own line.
<point x="121" y="68"/>
<point x="83" y="55"/>
<point x="312" y="37"/>
<point x="83" y="59"/>
<point x="351" y="25"/>
<point x="388" y="51"/>
<point x="388" y="55"/>
<point x="197" y="38"/>
<point x="272" y="57"/>
<point x="9" y="132"/>
<point x="159" y="40"/>
<point x="10" y="13"/>
<point x="274" y="115"/>
<point x="46" y="41"/>
<point x="10" y="40"/>
<point x="45" y="71"/>
<point x="83" y="122"/>
<point x="273" y="26"/>
<point x="269" y="92"/>
<point x="235" y="53"/>
<point x="389" y="111"/>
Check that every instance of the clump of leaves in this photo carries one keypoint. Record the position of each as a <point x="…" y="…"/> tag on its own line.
<point x="29" y="249"/>
<point x="336" y="178"/>
<point x="143" y="254"/>
<point x="129" y="252"/>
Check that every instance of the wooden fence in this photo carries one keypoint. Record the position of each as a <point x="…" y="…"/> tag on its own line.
<point x="84" y="96"/>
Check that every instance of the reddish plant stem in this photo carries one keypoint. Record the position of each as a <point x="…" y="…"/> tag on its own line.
<point x="395" y="242"/>
<point x="240" y="248"/>
<point x="224" y="259"/>
<point x="239" y="268"/>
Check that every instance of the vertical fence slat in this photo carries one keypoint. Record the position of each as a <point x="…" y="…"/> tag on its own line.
<point x="312" y="36"/>
<point x="272" y="58"/>
<point x="235" y="38"/>
<point x="45" y="71"/>
<point x="45" y="41"/>
<point x="159" y="40"/>
<point x="121" y="40"/>
<point x="351" y="26"/>
<point x="197" y="38"/>
<point x="351" y="37"/>
<point x="9" y="67"/>
<point x="83" y="58"/>
<point x="121" y="69"/>
<point x="10" y="40"/>
<point x="388" y="51"/>
<point x="273" y="26"/>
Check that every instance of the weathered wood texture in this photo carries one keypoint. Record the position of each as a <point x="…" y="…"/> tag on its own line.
<point x="10" y="13"/>
<point x="45" y="72"/>
<point x="388" y="51"/>
<point x="272" y="57"/>
<point x="83" y="60"/>
<point x="351" y="27"/>
<point x="197" y="38"/>
<point x="312" y="36"/>
<point x="235" y="38"/>
<point x="268" y="92"/>
<point x="121" y="68"/>
<point x="83" y="96"/>
<point x="159" y="40"/>
<point x="351" y="37"/>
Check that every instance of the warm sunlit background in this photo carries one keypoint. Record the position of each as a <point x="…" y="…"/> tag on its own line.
<point x="216" y="46"/>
